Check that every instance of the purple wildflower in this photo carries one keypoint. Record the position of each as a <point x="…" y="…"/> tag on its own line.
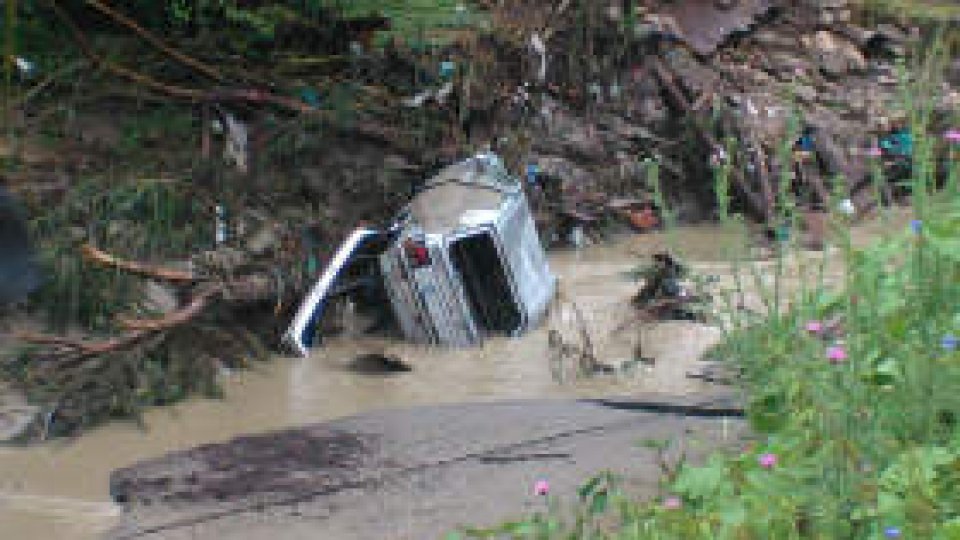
<point x="916" y="226"/>
<point x="814" y="327"/>
<point x="952" y="136"/>
<point x="891" y="532"/>
<point x="949" y="342"/>
<point x="672" y="503"/>
<point x="836" y="354"/>
<point x="541" y="488"/>
<point x="874" y="152"/>
<point x="768" y="460"/>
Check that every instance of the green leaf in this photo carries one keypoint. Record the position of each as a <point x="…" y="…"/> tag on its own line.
<point x="948" y="531"/>
<point x="587" y="489"/>
<point x="598" y="503"/>
<point x="707" y="482"/>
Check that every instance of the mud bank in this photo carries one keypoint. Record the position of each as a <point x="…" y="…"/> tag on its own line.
<point x="414" y="473"/>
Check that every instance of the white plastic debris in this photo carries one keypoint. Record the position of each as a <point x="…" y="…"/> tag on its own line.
<point x="615" y="90"/>
<point x="25" y="66"/>
<point x="541" y="49"/>
<point x="417" y="100"/>
<point x="444" y="92"/>
<point x="847" y="208"/>
<point x="578" y="238"/>
<point x="235" y="151"/>
<point x="221" y="224"/>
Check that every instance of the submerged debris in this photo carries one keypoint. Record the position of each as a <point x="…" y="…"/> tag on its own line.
<point x="666" y="292"/>
<point x="379" y="363"/>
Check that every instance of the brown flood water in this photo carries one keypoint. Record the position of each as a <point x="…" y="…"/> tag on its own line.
<point x="59" y="490"/>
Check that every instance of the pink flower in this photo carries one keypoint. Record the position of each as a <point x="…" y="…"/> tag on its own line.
<point x="952" y="135"/>
<point x="541" y="488"/>
<point x="874" y="152"/>
<point x="672" y="503"/>
<point x="814" y="327"/>
<point x="836" y="354"/>
<point x="768" y="460"/>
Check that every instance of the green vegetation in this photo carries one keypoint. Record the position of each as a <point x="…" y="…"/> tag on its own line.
<point x="922" y="10"/>
<point x="851" y="392"/>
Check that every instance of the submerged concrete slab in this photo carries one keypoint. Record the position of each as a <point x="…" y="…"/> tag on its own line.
<point x="414" y="473"/>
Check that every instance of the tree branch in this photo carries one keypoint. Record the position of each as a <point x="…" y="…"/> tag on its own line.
<point x="154" y="40"/>
<point x="87" y="49"/>
<point x="105" y="259"/>
<point x="176" y="318"/>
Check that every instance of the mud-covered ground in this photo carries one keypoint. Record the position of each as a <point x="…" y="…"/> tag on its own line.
<point x="410" y="474"/>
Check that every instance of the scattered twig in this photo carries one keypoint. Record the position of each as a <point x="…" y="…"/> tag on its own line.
<point x="87" y="49"/>
<point x="47" y="81"/>
<point x="148" y="36"/>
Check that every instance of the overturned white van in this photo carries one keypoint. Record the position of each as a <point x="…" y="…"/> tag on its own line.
<point x="462" y="261"/>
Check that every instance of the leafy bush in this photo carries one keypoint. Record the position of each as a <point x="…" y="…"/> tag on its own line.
<point x="852" y="392"/>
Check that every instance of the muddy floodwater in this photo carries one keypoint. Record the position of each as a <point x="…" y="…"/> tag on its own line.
<point x="59" y="489"/>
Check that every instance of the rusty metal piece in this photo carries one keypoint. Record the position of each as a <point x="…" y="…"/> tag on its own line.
<point x="705" y="24"/>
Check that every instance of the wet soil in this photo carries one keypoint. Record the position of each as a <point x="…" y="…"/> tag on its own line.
<point x="428" y="471"/>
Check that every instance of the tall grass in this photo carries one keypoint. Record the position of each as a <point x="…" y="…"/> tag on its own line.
<point x="851" y="390"/>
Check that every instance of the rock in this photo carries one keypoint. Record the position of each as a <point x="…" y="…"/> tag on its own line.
<point x="160" y="298"/>
<point x="826" y="4"/>
<point x="892" y="33"/>
<point x="16" y="415"/>
<point x="772" y="39"/>
<point x="653" y="111"/>
<point x="835" y="55"/>
<point x="263" y="241"/>
<point x="570" y="174"/>
<point x="119" y="227"/>
<point x="615" y="12"/>
<point x="787" y="64"/>
<point x="858" y="35"/>
<point x="806" y="93"/>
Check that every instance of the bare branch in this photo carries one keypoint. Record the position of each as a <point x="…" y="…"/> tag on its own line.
<point x="166" y="274"/>
<point x="102" y="7"/>
<point x="176" y="318"/>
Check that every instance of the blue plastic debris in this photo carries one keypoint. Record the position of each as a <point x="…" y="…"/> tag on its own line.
<point x="898" y="143"/>
<point x="310" y="96"/>
<point x="447" y="68"/>
<point x="532" y="171"/>
<point x="805" y="143"/>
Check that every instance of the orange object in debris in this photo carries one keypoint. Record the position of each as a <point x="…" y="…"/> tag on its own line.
<point x="643" y="219"/>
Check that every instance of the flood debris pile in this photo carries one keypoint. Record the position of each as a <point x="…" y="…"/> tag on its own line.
<point x="759" y="89"/>
<point x="246" y="151"/>
<point x="669" y="292"/>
